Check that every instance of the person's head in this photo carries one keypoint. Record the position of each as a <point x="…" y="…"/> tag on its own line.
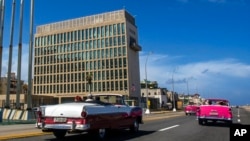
<point x="90" y="96"/>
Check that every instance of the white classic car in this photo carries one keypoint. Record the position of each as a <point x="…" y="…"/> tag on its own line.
<point x="96" y="116"/>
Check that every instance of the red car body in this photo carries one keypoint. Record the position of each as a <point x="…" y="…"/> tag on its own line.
<point x="110" y="112"/>
<point x="214" y="110"/>
<point x="191" y="109"/>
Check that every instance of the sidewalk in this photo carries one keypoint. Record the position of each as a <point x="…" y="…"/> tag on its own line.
<point x="11" y="130"/>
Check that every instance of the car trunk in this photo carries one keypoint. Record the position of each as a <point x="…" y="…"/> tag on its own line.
<point x="215" y="110"/>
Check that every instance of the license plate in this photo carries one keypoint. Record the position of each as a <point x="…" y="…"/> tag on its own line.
<point x="60" y="119"/>
<point x="213" y="113"/>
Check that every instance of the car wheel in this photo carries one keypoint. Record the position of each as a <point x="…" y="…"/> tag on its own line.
<point x="230" y="123"/>
<point x="102" y="133"/>
<point x="135" y="127"/>
<point x="59" y="134"/>
<point x="202" y="121"/>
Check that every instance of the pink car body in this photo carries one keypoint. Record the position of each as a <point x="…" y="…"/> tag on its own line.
<point x="214" y="110"/>
<point x="191" y="109"/>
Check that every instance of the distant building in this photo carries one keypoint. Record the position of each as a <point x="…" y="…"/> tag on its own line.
<point x="156" y="96"/>
<point x="13" y="90"/>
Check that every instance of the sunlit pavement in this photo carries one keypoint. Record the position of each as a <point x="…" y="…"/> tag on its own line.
<point x="10" y="131"/>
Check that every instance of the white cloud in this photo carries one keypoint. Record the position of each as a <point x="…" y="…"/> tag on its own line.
<point x="228" y="77"/>
<point x="24" y="64"/>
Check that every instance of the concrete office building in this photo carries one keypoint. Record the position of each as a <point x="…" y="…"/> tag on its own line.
<point x="104" y="46"/>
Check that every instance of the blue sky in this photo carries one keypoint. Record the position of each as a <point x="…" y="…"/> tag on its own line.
<point x="204" y="45"/>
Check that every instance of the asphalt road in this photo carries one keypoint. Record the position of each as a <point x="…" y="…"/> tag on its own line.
<point x="163" y="128"/>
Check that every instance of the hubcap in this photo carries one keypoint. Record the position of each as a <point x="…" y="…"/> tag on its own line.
<point x="101" y="133"/>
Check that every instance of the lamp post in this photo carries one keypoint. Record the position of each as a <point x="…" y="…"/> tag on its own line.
<point x="146" y="85"/>
<point x="173" y="93"/>
<point x="188" y="91"/>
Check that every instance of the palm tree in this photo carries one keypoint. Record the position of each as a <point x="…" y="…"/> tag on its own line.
<point x="25" y="88"/>
<point x="89" y="81"/>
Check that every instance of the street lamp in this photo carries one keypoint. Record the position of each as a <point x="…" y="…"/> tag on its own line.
<point x="146" y="85"/>
<point x="173" y="93"/>
<point x="188" y="91"/>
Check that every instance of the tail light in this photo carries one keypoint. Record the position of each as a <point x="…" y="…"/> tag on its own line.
<point x="84" y="113"/>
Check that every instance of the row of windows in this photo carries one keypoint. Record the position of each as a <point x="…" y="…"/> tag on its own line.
<point x="86" y="55"/>
<point x="148" y="94"/>
<point x="82" y="66"/>
<point x="81" y="87"/>
<point x="79" y="46"/>
<point x="84" y="34"/>
<point x="81" y="77"/>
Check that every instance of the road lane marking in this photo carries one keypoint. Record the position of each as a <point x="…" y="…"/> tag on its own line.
<point x="168" y="128"/>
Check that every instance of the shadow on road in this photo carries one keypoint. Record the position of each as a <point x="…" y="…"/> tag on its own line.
<point x="116" y="135"/>
<point x="220" y="124"/>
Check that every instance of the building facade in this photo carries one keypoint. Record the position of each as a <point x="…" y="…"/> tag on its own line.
<point x="103" y="46"/>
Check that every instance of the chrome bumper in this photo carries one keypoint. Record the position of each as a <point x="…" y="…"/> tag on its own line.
<point x="72" y="126"/>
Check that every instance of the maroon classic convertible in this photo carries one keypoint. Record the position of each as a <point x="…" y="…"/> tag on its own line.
<point x="105" y="111"/>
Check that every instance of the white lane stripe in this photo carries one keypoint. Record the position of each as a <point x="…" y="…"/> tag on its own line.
<point x="168" y="128"/>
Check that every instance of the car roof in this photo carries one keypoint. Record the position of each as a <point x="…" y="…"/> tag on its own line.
<point x="216" y="99"/>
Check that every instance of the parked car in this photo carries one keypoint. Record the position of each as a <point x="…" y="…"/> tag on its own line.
<point x="191" y="109"/>
<point x="105" y="111"/>
<point x="214" y="110"/>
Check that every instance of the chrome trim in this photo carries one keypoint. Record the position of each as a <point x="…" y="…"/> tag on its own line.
<point x="67" y="126"/>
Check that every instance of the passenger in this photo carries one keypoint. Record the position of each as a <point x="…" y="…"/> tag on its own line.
<point x="78" y="98"/>
<point x="90" y="97"/>
<point x="206" y="102"/>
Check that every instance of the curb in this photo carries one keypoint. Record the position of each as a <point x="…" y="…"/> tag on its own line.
<point x="23" y="135"/>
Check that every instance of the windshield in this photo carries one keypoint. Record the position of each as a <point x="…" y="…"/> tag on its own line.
<point x="112" y="99"/>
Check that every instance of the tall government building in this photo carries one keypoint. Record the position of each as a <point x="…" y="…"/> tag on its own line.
<point x="103" y="45"/>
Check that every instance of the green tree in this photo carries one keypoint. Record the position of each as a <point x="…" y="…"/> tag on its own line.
<point x="25" y="88"/>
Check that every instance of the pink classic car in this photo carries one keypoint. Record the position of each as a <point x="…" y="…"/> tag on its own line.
<point x="191" y="109"/>
<point x="95" y="115"/>
<point x="214" y="110"/>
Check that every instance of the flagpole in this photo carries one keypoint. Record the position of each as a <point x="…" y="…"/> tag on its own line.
<point x="29" y="104"/>
<point x="19" y="57"/>
<point x="1" y="34"/>
<point x="7" y="104"/>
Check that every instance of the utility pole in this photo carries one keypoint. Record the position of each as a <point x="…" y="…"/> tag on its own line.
<point x="173" y="93"/>
<point x="146" y="85"/>
<point x="187" y="91"/>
